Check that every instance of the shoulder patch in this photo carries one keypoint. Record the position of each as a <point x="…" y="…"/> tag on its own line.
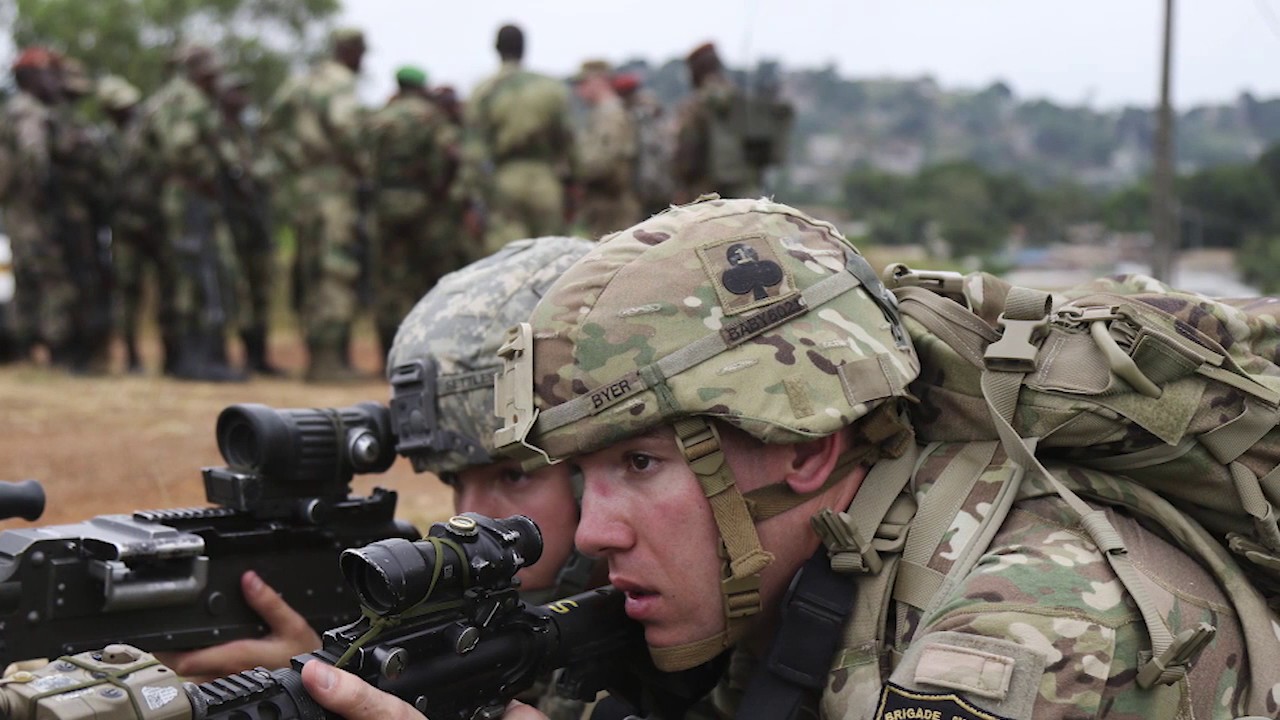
<point x="897" y="703"/>
<point x="745" y="272"/>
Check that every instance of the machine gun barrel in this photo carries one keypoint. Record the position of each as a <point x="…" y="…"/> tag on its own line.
<point x="23" y="499"/>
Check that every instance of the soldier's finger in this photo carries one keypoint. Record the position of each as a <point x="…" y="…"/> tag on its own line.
<point x="270" y="605"/>
<point x="342" y="693"/>
<point x="517" y="710"/>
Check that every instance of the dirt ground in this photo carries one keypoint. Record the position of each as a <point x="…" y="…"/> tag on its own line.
<point x="121" y="443"/>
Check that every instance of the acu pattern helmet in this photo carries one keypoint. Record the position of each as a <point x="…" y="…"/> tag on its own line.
<point x="443" y="360"/>
<point x="744" y="311"/>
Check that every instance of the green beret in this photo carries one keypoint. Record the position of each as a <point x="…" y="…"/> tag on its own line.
<point x="410" y="75"/>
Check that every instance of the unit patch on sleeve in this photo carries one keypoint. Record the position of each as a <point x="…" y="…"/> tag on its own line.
<point x="897" y="703"/>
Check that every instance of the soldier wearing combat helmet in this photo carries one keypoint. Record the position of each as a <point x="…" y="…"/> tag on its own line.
<point x="731" y="379"/>
<point x="441" y="369"/>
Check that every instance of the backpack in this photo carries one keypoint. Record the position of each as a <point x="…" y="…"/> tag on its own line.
<point x="746" y="133"/>
<point x="1175" y="393"/>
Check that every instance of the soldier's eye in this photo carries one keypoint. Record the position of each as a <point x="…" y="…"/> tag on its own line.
<point x="513" y="477"/>
<point x="639" y="462"/>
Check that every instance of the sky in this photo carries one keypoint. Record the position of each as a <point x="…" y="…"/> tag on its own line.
<point x="1103" y="53"/>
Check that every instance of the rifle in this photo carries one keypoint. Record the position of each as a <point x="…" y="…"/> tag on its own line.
<point x="170" y="579"/>
<point x="443" y="628"/>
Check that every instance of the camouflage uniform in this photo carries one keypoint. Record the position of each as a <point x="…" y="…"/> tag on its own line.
<point x="138" y="229"/>
<point x="316" y="130"/>
<point x="695" y="144"/>
<point x="606" y="167"/>
<point x="770" y="321"/>
<point x="412" y="155"/>
<point x="80" y="194"/>
<point x="518" y="153"/>
<point x="653" y="182"/>
<point x="246" y="200"/>
<point x="197" y="237"/>
<point x="45" y="293"/>
<point x="455" y="331"/>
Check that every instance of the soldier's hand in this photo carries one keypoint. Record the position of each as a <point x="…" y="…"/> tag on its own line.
<point x="288" y="635"/>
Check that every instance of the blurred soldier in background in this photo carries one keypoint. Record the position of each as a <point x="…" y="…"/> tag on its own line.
<point x="78" y="201"/>
<point x="453" y="234"/>
<point x="606" y="155"/>
<point x="652" y="181"/>
<point x="45" y="293"/>
<point x="412" y="159"/>
<point x="119" y="102"/>
<point x="204" y="295"/>
<point x="726" y="137"/>
<point x="138" y="230"/>
<point x="246" y="201"/>
<point x="519" y="147"/>
<point x="316" y="128"/>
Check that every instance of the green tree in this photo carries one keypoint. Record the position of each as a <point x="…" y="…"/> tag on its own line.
<point x="133" y="38"/>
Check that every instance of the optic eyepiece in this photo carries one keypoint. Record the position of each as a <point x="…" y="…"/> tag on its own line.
<point x="391" y="576"/>
<point x="21" y="499"/>
<point x="307" y="445"/>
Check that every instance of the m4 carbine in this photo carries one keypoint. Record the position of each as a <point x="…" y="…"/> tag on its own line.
<point x="170" y="579"/>
<point x="443" y="628"/>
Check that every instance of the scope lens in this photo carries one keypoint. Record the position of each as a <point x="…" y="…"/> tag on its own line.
<point x="241" y="445"/>
<point x="388" y="576"/>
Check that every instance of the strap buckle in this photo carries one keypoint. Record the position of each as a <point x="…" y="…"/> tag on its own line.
<point x="1016" y="349"/>
<point x="1172" y="664"/>
<point x="741" y="596"/>
<point x="947" y="283"/>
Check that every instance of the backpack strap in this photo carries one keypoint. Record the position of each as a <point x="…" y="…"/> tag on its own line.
<point x="1008" y="361"/>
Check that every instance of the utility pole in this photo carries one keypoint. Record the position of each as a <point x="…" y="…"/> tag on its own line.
<point x="1164" y="208"/>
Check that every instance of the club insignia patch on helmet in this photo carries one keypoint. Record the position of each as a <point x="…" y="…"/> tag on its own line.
<point x="746" y="273"/>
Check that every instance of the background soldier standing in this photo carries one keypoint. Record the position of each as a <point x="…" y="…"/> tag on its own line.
<point x="519" y="146"/>
<point x="652" y="183"/>
<point x="45" y="294"/>
<point x="119" y="101"/>
<point x="316" y="128"/>
<point x="411" y="142"/>
<point x="78" y="201"/>
<point x="606" y="154"/>
<point x="204" y="298"/>
<point x="709" y="156"/>
<point x="246" y="201"/>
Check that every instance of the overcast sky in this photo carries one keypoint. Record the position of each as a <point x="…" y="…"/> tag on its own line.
<point x="1102" y="52"/>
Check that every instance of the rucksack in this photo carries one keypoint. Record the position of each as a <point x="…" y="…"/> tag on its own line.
<point x="1176" y="393"/>
<point x="746" y="133"/>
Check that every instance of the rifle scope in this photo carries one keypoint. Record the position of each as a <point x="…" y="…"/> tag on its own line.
<point x="21" y="499"/>
<point x="307" y="445"/>
<point x="391" y="576"/>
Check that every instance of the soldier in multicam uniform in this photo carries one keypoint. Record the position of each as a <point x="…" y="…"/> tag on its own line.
<point x="448" y="344"/>
<point x="653" y="183"/>
<point x="414" y="150"/>
<point x="518" y="148"/>
<point x="606" y="155"/>
<point x="197" y="238"/>
<point x="731" y="380"/>
<point x="119" y="102"/>
<point x="705" y="159"/>
<point x="245" y="199"/>
<point x="79" y="193"/>
<point x="316" y="128"/>
<point x="45" y="293"/>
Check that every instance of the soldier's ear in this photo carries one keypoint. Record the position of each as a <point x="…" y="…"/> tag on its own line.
<point x="812" y="462"/>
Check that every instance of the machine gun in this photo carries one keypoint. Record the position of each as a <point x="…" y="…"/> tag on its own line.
<point x="170" y="579"/>
<point x="443" y="628"/>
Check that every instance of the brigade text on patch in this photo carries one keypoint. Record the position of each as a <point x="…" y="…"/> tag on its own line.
<point x="897" y="703"/>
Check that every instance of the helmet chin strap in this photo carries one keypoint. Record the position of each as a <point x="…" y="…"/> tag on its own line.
<point x="735" y="516"/>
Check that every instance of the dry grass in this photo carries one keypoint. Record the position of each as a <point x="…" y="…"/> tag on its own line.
<point x="116" y="444"/>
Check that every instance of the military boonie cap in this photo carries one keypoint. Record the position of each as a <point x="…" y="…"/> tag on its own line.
<point x="592" y="67"/>
<point x="116" y="93"/>
<point x="747" y="311"/>
<point x="74" y="78"/>
<point x="346" y="36"/>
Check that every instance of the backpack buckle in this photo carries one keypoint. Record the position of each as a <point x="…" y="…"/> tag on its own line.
<point x="1016" y="350"/>
<point x="1172" y="664"/>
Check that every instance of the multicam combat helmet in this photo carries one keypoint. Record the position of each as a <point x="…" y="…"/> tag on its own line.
<point x="443" y="360"/>
<point x="746" y="311"/>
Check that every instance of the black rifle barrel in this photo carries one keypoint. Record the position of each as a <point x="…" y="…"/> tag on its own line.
<point x="21" y="499"/>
